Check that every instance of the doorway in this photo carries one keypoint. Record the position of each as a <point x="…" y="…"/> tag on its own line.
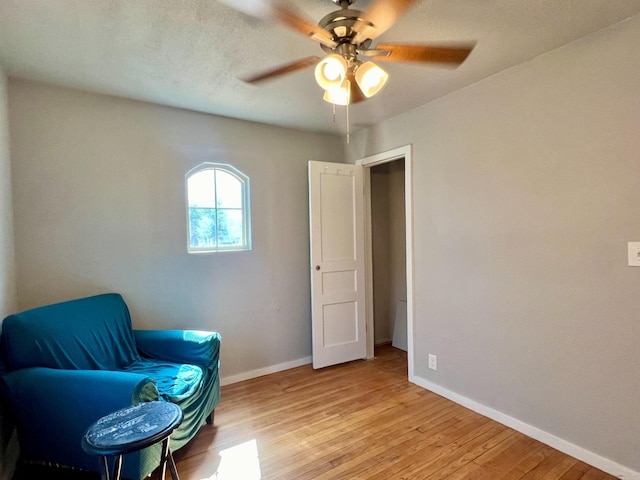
<point x="389" y="250"/>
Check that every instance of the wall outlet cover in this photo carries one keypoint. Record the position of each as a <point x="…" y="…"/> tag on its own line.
<point x="433" y="362"/>
<point x="634" y="254"/>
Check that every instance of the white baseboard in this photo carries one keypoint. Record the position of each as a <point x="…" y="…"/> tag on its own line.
<point x="564" y="446"/>
<point x="264" y="371"/>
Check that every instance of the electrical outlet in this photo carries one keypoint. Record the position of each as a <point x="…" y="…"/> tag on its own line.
<point x="634" y="254"/>
<point x="433" y="362"/>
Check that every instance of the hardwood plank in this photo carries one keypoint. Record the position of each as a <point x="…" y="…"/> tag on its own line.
<point x="422" y="464"/>
<point x="362" y="420"/>
<point x="336" y="449"/>
<point x="595" y="474"/>
<point x="576" y="472"/>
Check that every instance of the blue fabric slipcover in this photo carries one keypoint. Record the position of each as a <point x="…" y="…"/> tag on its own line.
<point x="70" y="363"/>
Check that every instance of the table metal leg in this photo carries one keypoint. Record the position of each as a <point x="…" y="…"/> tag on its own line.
<point x="164" y="457"/>
<point x="167" y="457"/>
<point x="172" y="467"/>
<point x="117" y="467"/>
<point x="105" y="468"/>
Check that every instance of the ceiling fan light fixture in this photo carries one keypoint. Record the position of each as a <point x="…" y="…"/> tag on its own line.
<point x="339" y="95"/>
<point x="331" y="71"/>
<point x="371" y="78"/>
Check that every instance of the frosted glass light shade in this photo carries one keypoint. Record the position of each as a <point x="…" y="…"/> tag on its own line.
<point x="371" y="78"/>
<point x="339" y="95"/>
<point x="331" y="71"/>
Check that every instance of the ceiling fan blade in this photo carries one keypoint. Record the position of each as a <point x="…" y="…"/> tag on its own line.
<point x="287" y="15"/>
<point x="284" y="13"/>
<point x="395" y="52"/>
<point x="254" y="8"/>
<point x="282" y="70"/>
<point x="378" y="18"/>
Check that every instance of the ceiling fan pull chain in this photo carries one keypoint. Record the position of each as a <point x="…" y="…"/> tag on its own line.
<point x="334" y="112"/>
<point x="348" y="133"/>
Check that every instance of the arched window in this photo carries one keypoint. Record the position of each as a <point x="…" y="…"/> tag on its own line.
<point x="218" y="212"/>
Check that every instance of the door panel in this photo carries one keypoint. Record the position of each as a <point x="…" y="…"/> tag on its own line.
<point x="340" y="324"/>
<point x="337" y="263"/>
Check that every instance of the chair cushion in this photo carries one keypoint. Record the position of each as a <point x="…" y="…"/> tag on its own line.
<point x="175" y="381"/>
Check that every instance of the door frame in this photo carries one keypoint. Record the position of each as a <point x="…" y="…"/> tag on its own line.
<point x="368" y="162"/>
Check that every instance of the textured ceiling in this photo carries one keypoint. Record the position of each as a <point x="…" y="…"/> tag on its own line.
<point x="190" y="53"/>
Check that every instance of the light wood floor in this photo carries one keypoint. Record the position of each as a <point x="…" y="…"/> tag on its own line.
<point x="361" y="420"/>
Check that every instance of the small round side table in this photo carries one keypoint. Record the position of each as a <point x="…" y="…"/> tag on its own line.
<point x="131" y="429"/>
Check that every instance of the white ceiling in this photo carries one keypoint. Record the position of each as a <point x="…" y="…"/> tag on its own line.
<point x="190" y="53"/>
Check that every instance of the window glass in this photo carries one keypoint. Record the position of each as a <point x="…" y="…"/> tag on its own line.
<point x="230" y="227"/>
<point x="229" y="190"/>
<point x="218" y="209"/>
<point x="202" y="189"/>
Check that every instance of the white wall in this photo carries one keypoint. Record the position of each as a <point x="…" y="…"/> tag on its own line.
<point x="100" y="206"/>
<point x="8" y="442"/>
<point x="526" y="194"/>
<point x="7" y="260"/>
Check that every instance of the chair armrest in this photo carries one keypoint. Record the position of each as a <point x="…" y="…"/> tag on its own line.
<point x="53" y="408"/>
<point x="90" y="393"/>
<point x="180" y="346"/>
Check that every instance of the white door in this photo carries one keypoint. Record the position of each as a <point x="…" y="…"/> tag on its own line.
<point x="336" y="199"/>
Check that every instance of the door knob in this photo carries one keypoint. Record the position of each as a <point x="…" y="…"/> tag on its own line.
<point x="317" y="267"/>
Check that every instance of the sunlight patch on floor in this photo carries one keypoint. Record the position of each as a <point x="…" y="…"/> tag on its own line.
<point x="239" y="462"/>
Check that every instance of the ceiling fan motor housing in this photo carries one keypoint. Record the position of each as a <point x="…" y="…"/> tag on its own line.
<point x="339" y="24"/>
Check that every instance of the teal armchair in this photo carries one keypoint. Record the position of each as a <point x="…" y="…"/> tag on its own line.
<point x="68" y="364"/>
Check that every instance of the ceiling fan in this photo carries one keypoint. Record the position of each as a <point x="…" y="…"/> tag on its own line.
<point x="346" y="35"/>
